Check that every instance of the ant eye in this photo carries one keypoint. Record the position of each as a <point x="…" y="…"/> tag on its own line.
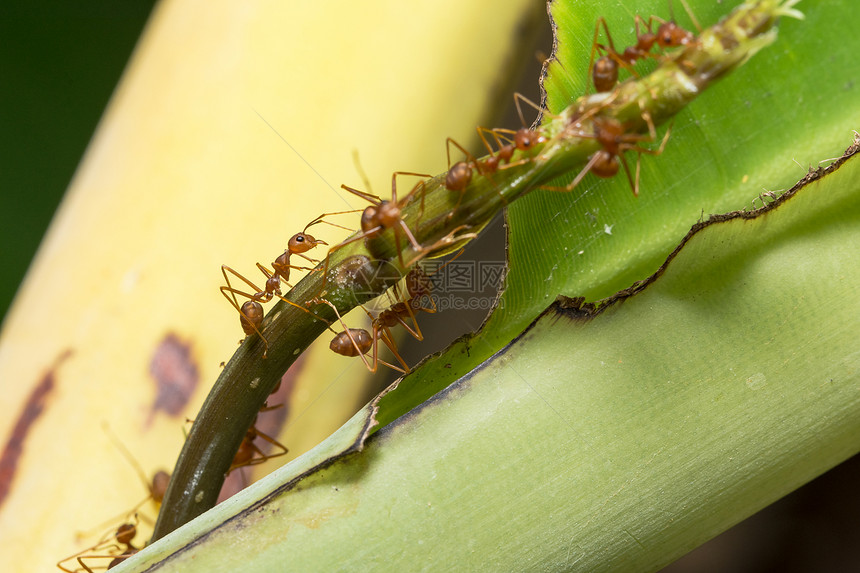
<point x="300" y="239"/>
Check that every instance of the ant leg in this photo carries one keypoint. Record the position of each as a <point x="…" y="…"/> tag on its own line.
<point x="414" y="330"/>
<point x="415" y="244"/>
<point x="411" y="174"/>
<point x="633" y="186"/>
<point x="518" y="97"/>
<point x="689" y="13"/>
<point x="274" y="443"/>
<point x="369" y="197"/>
<point x="234" y="291"/>
<point x="95" y="556"/>
<point x="302" y="308"/>
<point x="269" y="274"/>
<point x="640" y="151"/>
<point x="450" y="239"/>
<point x="386" y="338"/>
<point x="469" y="156"/>
<point x="595" y="157"/>
<point x="321" y="219"/>
<point x="481" y="133"/>
<point x="263" y="456"/>
<point x="83" y="554"/>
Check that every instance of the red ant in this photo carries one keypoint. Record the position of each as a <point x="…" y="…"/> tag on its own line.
<point x="604" y="71"/>
<point x="249" y="454"/>
<point x="387" y="214"/>
<point x="611" y="134"/>
<point x="460" y="174"/>
<point x="115" y="545"/>
<point x="251" y="311"/>
<point x="353" y="342"/>
<point x="383" y="214"/>
<point x="156" y="487"/>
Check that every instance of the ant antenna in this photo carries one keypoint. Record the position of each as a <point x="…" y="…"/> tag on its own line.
<point x="361" y="172"/>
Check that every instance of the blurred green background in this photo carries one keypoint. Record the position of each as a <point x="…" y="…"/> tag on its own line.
<point x="59" y="64"/>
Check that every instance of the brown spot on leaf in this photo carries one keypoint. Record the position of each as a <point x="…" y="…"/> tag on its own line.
<point x="31" y="411"/>
<point x="175" y="374"/>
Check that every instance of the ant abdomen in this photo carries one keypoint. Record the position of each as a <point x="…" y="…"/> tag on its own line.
<point x="251" y="316"/>
<point x="458" y="176"/>
<point x="345" y="346"/>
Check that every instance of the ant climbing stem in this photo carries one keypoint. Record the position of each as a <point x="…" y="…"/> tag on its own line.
<point x="612" y="136"/>
<point x="604" y="70"/>
<point x="115" y="545"/>
<point x="249" y="454"/>
<point x="156" y="487"/>
<point x="251" y="311"/>
<point x="353" y="342"/>
<point x="508" y="141"/>
<point x="380" y="216"/>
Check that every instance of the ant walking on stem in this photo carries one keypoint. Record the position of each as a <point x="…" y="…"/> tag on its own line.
<point x="353" y="342"/>
<point x="251" y="311"/>
<point x="604" y="71"/>
<point x="614" y="139"/>
<point x="115" y="545"/>
<point x="460" y="173"/>
<point x="384" y="214"/>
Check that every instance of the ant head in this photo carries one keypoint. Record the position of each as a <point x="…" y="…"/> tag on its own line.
<point x="670" y="35"/>
<point x="302" y="242"/>
<point x="525" y="139"/>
